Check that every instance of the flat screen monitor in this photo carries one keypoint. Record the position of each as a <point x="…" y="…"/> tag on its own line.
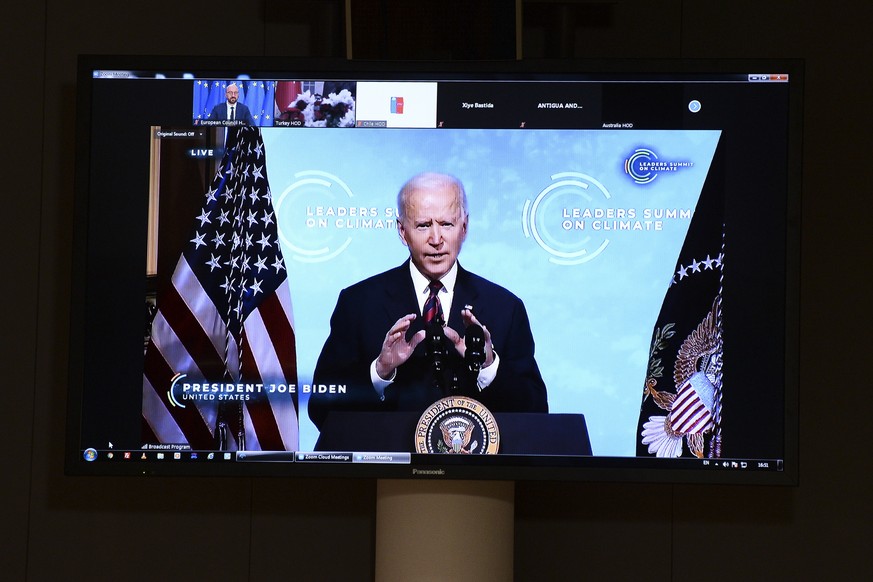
<point x="505" y="270"/>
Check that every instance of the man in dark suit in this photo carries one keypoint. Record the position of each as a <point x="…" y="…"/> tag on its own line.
<point x="232" y="109"/>
<point x="393" y="371"/>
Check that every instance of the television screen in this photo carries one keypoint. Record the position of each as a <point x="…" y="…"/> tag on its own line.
<point x="507" y="270"/>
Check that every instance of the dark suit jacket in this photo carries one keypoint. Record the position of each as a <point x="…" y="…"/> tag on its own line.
<point x="366" y="311"/>
<point x="219" y="112"/>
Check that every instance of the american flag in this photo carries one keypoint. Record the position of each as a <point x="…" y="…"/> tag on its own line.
<point x="226" y="319"/>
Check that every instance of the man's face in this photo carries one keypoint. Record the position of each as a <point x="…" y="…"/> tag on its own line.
<point x="434" y="227"/>
<point x="232" y="94"/>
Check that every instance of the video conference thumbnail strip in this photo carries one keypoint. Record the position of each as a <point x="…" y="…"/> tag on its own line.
<point x="345" y="104"/>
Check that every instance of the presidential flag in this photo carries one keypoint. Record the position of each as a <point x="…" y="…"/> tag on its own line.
<point x="220" y="365"/>
<point x="681" y="411"/>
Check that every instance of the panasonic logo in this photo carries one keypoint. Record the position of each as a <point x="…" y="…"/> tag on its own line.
<point x="428" y="472"/>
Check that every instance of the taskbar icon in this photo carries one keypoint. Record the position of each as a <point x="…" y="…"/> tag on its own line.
<point x="92" y="454"/>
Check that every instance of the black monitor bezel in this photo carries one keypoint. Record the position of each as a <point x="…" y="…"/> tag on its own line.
<point x="602" y="469"/>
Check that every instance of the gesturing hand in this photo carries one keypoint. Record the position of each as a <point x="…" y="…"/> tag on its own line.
<point x="396" y="349"/>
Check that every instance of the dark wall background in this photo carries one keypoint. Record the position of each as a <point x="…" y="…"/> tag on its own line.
<point x="53" y="527"/>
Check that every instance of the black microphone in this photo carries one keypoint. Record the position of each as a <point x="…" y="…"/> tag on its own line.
<point x="474" y="339"/>
<point x="434" y="344"/>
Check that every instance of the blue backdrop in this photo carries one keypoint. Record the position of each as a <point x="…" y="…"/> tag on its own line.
<point x="584" y="226"/>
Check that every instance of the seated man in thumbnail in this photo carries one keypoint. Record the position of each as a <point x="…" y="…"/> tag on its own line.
<point x="232" y="109"/>
<point x="376" y="348"/>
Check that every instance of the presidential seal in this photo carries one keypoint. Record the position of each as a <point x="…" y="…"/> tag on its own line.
<point x="457" y="425"/>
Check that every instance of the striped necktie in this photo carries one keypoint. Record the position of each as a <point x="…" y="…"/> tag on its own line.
<point x="432" y="308"/>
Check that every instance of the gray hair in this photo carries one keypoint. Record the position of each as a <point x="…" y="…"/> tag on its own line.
<point x="431" y="181"/>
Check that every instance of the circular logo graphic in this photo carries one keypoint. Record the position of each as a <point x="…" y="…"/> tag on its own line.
<point x="549" y="218"/>
<point x="318" y="245"/>
<point x="457" y="425"/>
<point x="90" y="455"/>
<point x="641" y="166"/>
<point x="171" y="393"/>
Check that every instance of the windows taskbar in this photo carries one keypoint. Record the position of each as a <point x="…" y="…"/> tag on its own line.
<point x="407" y="458"/>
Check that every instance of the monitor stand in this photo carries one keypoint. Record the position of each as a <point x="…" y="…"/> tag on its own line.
<point x="444" y="530"/>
